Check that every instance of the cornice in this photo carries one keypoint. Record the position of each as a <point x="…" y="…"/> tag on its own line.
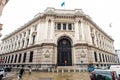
<point x="22" y="49"/>
<point x="90" y="46"/>
<point x="95" y="25"/>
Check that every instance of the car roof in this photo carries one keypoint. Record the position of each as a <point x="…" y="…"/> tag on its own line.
<point x="103" y="70"/>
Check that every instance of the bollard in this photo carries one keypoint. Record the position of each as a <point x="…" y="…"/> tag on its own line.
<point x="48" y="69"/>
<point x="79" y="70"/>
<point x="57" y="70"/>
<point x="68" y="70"/>
<point x="74" y="70"/>
<point x="62" y="70"/>
<point x="52" y="70"/>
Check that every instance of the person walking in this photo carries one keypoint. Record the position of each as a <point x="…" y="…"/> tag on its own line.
<point x="30" y="70"/>
<point x="21" y="72"/>
<point x="65" y="62"/>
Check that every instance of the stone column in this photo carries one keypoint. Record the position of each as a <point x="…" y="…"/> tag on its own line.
<point x="76" y="31"/>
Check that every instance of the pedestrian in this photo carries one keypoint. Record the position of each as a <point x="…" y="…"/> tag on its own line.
<point x="21" y="72"/>
<point x="30" y="70"/>
<point x="65" y="62"/>
<point x="119" y="77"/>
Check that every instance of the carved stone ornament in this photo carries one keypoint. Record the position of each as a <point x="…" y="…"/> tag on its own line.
<point x="34" y="33"/>
<point x="83" y="54"/>
<point x="64" y="41"/>
<point x="47" y="54"/>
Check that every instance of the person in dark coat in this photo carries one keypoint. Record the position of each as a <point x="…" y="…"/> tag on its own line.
<point x="21" y="72"/>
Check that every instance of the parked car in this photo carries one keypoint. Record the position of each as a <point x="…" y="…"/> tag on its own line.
<point x="100" y="74"/>
<point x="2" y="73"/>
<point x="116" y="68"/>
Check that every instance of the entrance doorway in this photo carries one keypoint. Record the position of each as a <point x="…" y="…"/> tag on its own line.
<point x="64" y="52"/>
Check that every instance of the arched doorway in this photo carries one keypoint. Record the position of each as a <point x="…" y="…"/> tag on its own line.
<point x="64" y="52"/>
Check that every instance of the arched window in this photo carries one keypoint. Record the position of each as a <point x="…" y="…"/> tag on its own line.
<point x="64" y="52"/>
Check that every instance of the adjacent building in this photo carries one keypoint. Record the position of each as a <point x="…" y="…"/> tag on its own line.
<point x="59" y="37"/>
<point x="2" y="4"/>
<point x="118" y="53"/>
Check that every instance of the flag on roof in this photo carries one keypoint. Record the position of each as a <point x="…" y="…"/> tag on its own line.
<point x="63" y="4"/>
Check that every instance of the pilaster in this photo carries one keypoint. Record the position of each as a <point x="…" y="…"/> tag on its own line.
<point x="76" y="31"/>
<point x="88" y="34"/>
<point x="52" y="31"/>
<point x="82" y="31"/>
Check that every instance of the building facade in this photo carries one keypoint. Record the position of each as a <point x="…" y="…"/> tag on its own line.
<point x="2" y="4"/>
<point x="58" y="37"/>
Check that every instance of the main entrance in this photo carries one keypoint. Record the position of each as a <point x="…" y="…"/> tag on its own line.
<point x="64" y="57"/>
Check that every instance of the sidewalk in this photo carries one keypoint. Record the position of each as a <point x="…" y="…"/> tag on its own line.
<point x="55" y="76"/>
<point x="10" y="76"/>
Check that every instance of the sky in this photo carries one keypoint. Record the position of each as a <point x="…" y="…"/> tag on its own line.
<point x="103" y="12"/>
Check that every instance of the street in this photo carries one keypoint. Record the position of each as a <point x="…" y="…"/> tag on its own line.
<point x="54" y="76"/>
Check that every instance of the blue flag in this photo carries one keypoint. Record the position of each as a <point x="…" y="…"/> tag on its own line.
<point x="62" y="4"/>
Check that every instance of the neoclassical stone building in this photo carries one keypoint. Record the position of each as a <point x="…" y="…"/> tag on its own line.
<point x="58" y="36"/>
<point x="2" y="4"/>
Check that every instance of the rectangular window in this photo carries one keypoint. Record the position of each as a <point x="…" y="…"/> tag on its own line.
<point x="100" y="57"/>
<point x="95" y="55"/>
<point x="6" y="59"/>
<point x="31" y="56"/>
<point x="9" y="59"/>
<point x="64" y="26"/>
<point x="24" y="57"/>
<point x="24" y="34"/>
<point x="33" y="39"/>
<point x="103" y="57"/>
<point x="19" y="58"/>
<point x="12" y="58"/>
<point x="15" y="58"/>
<point x="27" y="42"/>
<point x="58" y="26"/>
<point x="23" y="43"/>
<point x="69" y="26"/>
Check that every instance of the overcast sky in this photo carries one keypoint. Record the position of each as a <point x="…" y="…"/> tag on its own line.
<point x="103" y="12"/>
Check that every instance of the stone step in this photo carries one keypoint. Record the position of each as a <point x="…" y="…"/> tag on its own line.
<point x="68" y="69"/>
